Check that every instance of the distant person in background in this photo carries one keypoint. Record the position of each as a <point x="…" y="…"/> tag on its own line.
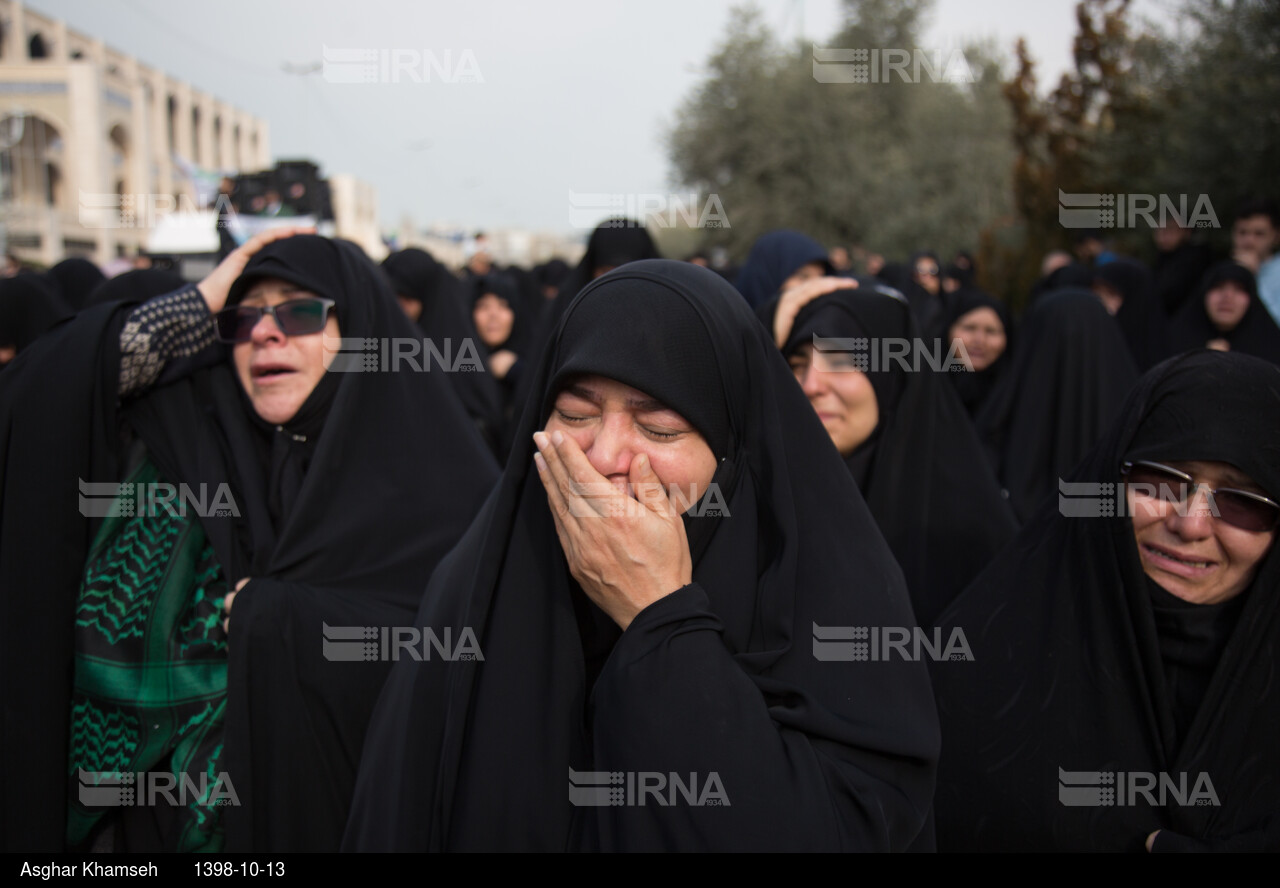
<point x="1091" y="249"/>
<point x="1180" y="264"/>
<point x="1069" y="375"/>
<point x="779" y="261"/>
<point x="1255" y="237"/>
<point x="75" y="279"/>
<point x="12" y="265"/>
<point x="1057" y="271"/>
<point x="983" y="326"/>
<point x="550" y="275"/>
<point x="1227" y="315"/>
<point x="1124" y="286"/>
<point x="839" y="259"/>
<point x="434" y="300"/>
<point x="29" y="305"/>
<point x="924" y="289"/>
<point x="479" y="262"/>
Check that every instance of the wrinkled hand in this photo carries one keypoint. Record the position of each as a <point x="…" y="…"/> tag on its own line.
<point x="226" y="604"/>
<point x="625" y="552"/>
<point x="500" y="363"/>
<point x="798" y="297"/>
<point x="217" y="285"/>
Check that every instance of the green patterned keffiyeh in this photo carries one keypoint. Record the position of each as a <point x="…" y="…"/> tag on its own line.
<point x="150" y="675"/>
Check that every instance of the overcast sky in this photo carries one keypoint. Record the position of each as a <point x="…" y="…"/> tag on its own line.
<point x="576" y="94"/>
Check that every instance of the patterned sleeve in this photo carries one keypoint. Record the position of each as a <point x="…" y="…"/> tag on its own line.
<point x="176" y="325"/>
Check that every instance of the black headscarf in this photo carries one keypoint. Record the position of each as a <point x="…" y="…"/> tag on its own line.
<point x="1070" y="372"/>
<point x="1141" y="318"/>
<point x="138" y="285"/>
<point x="922" y="472"/>
<point x="415" y="274"/>
<point x="974" y="387"/>
<point x="1176" y="274"/>
<point x="75" y="279"/>
<point x="500" y="285"/>
<point x="1082" y="664"/>
<point x="1071" y="276"/>
<point x="774" y="257"/>
<point x="1256" y="334"/>
<point x="719" y="676"/>
<point x="926" y="306"/>
<point x="29" y="306"/>
<point x="341" y="529"/>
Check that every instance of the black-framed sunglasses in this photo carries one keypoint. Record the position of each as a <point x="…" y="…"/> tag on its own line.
<point x="1239" y="508"/>
<point x="294" y="317"/>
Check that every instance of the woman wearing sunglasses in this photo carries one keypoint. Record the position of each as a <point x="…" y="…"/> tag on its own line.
<point x="1123" y="692"/>
<point x="286" y="489"/>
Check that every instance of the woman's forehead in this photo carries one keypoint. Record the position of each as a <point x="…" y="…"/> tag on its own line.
<point x="1213" y="470"/>
<point x="599" y="389"/>
<point x="268" y="288"/>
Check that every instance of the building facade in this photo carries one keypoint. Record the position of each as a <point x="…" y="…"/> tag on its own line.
<point x="94" y="144"/>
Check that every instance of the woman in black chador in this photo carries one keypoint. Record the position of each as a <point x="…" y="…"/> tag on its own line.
<point x="904" y="438"/>
<point x="1123" y="688"/>
<point x="196" y="643"/>
<point x="653" y="596"/>
<point x="1069" y="375"/>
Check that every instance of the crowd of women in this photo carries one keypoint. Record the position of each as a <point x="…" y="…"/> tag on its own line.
<point x="823" y="560"/>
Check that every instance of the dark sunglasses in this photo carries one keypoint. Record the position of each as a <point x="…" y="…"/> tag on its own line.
<point x="1239" y="508"/>
<point x="296" y="317"/>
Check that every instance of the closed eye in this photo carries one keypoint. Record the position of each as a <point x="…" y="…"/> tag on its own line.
<point x="569" y="417"/>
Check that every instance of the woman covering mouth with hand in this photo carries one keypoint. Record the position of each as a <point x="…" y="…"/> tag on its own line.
<point x="650" y="586"/>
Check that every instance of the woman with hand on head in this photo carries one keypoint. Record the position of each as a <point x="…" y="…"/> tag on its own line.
<point x="648" y="585"/>
<point x="197" y="643"/>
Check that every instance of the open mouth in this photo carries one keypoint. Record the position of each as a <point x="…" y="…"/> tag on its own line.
<point x="270" y="371"/>
<point x="1167" y="558"/>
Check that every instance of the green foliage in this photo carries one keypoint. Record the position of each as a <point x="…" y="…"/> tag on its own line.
<point x="891" y="166"/>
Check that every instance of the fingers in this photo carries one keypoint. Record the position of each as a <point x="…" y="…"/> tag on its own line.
<point x="648" y="487"/>
<point x="579" y="490"/>
<point x="217" y="285"/>
<point x="1151" y="839"/>
<point x="226" y="603"/>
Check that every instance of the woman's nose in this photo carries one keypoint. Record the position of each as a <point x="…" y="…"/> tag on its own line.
<point x="1193" y="518"/>
<point x="813" y="382"/>
<point x="266" y="330"/>
<point x="613" y="447"/>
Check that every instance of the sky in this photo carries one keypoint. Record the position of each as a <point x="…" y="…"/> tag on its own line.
<point x="502" y="109"/>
